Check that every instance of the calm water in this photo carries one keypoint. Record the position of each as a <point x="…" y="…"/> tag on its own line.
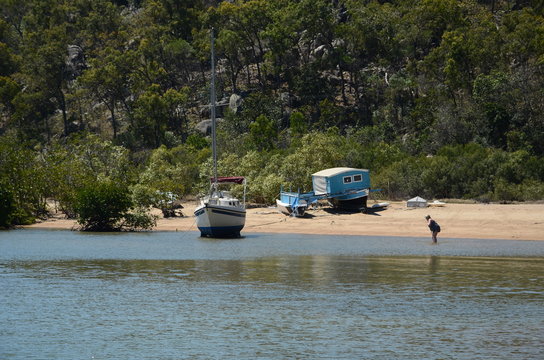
<point x="67" y="295"/>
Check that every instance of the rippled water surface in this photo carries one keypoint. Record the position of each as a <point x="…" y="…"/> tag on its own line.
<point x="67" y="295"/>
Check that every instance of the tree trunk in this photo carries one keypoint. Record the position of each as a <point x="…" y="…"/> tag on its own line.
<point x="233" y="76"/>
<point x="343" y="85"/>
<point x="62" y="103"/>
<point x="113" y="120"/>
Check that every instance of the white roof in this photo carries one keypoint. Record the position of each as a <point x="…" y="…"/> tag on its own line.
<point x="417" y="199"/>
<point x="336" y="171"/>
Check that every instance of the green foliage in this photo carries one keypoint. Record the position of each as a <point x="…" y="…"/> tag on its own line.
<point x="105" y="206"/>
<point x="22" y="181"/>
<point x="442" y="98"/>
<point x="297" y="124"/>
<point x="156" y="114"/>
<point x="263" y="133"/>
<point x="101" y="206"/>
<point x="197" y="142"/>
<point x="169" y="175"/>
<point x="469" y="171"/>
<point x="81" y="161"/>
<point x="7" y="207"/>
<point x="298" y="167"/>
<point x="407" y="67"/>
<point x="8" y="90"/>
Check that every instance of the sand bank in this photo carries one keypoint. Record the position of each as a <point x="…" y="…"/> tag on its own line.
<point x="477" y="221"/>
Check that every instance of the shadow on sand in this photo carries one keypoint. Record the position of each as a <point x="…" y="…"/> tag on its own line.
<point x="367" y="211"/>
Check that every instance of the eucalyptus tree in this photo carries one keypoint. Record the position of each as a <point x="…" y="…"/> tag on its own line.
<point x="281" y="36"/>
<point x="314" y="24"/>
<point x="44" y="50"/>
<point x="23" y="182"/>
<point x="246" y="20"/>
<point x="9" y="64"/>
<point x="98" y="23"/>
<point x="156" y="113"/>
<point x="228" y="44"/>
<point x="13" y="13"/>
<point x="524" y="48"/>
<point x="8" y="59"/>
<point x="107" y="79"/>
<point x="162" y="32"/>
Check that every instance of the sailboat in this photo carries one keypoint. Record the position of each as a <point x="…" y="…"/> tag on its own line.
<point x="220" y="214"/>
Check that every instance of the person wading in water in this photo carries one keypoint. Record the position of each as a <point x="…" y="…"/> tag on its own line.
<point x="434" y="227"/>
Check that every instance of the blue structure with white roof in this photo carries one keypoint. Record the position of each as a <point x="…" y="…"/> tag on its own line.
<point x="345" y="188"/>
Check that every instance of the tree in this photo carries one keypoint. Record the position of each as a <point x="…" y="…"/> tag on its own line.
<point x="105" y="206"/>
<point x="157" y="112"/>
<point x="47" y="33"/>
<point x="8" y="90"/>
<point x="169" y="175"/>
<point x="244" y="21"/>
<point x="7" y="207"/>
<point x="228" y="43"/>
<point x="80" y="161"/>
<point x="107" y="79"/>
<point x="263" y="133"/>
<point x="22" y="182"/>
<point x="297" y="126"/>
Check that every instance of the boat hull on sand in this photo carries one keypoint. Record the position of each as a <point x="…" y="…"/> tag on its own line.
<point x="220" y="221"/>
<point x="354" y="201"/>
<point x="297" y="210"/>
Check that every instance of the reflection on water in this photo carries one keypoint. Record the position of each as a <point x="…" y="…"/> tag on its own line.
<point x="60" y="304"/>
<point x="303" y="271"/>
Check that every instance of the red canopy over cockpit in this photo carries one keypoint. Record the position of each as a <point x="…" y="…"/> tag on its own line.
<point x="229" y="179"/>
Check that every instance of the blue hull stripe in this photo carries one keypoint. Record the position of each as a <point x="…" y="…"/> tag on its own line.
<point x="224" y="212"/>
<point x="221" y="230"/>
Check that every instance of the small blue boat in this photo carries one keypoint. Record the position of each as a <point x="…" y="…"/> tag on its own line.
<point x="294" y="203"/>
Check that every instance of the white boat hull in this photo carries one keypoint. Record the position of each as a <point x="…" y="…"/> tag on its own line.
<point x="287" y="209"/>
<point x="220" y="221"/>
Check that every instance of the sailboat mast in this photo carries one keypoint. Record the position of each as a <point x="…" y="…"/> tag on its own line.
<point x="212" y="102"/>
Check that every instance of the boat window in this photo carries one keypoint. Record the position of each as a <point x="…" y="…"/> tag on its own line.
<point x="347" y="179"/>
<point x="357" y="178"/>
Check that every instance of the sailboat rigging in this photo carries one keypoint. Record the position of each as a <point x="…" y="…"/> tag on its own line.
<point x="219" y="214"/>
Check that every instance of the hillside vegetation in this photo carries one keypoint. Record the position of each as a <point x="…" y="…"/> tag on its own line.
<point x="438" y="98"/>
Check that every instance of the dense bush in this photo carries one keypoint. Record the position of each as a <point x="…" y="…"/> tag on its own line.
<point x="79" y="161"/>
<point x="465" y="171"/>
<point x="7" y="207"/>
<point x="105" y="206"/>
<point x="23" y="181"/>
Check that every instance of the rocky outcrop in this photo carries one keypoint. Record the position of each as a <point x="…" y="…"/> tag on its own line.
<point x="75" y="61"/>
<point x="205" y="126"/>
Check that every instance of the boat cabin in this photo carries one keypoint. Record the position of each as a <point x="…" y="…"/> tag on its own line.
<point x="340" y="181"/>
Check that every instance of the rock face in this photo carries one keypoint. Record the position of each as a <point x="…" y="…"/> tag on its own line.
<point x="220" y="107"/>
<point x="75" y="61"/>
<point x="235" y="102"/>
<point x="205" y="126"/>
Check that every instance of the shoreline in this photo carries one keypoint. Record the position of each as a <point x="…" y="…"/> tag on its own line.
<point x="465" y="221"/>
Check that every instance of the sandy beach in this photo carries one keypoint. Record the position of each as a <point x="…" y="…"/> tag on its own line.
<point x="475" y="221"/>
